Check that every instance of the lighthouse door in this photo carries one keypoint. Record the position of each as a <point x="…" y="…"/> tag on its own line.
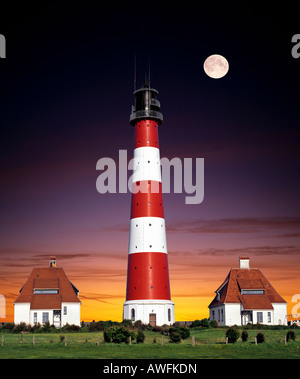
<point x="152" y="319"/>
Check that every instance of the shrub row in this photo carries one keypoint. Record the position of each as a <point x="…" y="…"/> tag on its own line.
<point x="233" y="335"/>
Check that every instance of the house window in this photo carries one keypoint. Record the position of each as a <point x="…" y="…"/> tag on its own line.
<point x="45" y="317"/>
<point x="169" y="315"/>
<point x="269" y="316"/>
<point x="213" y="315"/>
<point x="219" y="315"/>
<point x="65" y="310"/>
<point x="132" y="314"/>
<point x="259" y="317"/>
<point x="35" y="317"/>
<point x="222" y="315"/>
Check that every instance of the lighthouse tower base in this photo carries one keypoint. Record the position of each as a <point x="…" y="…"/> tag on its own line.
<point x="153" y="312"/>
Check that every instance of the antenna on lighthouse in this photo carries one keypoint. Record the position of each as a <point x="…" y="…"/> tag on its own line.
<point x="134" y="80"/>
<point x="149" y="70"/>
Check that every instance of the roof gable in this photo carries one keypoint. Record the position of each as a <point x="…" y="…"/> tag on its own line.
<point x="47" y="278"/>
<point x="246" y="279"/>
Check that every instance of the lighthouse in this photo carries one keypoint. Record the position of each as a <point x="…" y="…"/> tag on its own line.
<point x="148" y="296"/>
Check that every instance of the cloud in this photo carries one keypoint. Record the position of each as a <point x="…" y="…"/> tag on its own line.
<point x="102" y="298"/>
<point x="241" y="251"/>
<point x="238" y="225"/>
<point x="62" y="256"/>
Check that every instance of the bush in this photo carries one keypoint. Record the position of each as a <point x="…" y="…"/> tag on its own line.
<point x="232" y="334"/>
<point x="260" y="337"/>
<point x="244" y="335"/>
<point x="100" y="325"/>
<point x="139" y="325"/>
<point x="36" y="328"/>
<point x="165" y="329"/>
<point x="195" y="323"/>
<point x="175" y="337"/>
<point x="204" y="323"/>
<point x="140" y="337"/>
<point x="127" y="323"/>
<point x="182" y="331"/>
<point x="21" y="328"/>
<point x="290" y="335"/>
<point x="71" y="328"/>
<point x="118" y="335"/>
<point x="214" y="324"/>
<point x="9" y="326"/>
<point x="46" y="327"/>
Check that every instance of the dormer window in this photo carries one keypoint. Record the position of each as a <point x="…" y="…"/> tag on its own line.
<point x="45" y="291"/>
<point x="252" y="292"/>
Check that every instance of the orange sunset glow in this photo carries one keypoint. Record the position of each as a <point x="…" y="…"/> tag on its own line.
<point x="195" y="273"/>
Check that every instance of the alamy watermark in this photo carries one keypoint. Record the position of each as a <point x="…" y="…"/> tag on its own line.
<point x="296" y="308"/>
<point x="2" y="306"/>
<point x="188" y="177"/>
<point x="2" y="46"/>
<point x="296" y="48"/>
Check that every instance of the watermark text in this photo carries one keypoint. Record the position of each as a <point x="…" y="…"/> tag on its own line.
<point x="187" y="175"/>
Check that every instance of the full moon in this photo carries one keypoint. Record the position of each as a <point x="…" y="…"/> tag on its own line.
<point x="216" y="66"/>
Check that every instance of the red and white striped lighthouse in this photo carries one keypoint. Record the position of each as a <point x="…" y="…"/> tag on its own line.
<point x="148" y="296"/>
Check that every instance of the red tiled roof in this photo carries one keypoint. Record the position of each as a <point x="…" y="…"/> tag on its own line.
<point x="248" y="283"/>
<point x="45" y="302"/>
<point x="238" y="279"/>
<point x="255" y="302"/>
<point x="47" y="278"/>
<point x="39" y="282"/>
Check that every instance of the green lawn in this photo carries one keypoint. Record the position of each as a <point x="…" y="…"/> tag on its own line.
<point x="210" y="343"/>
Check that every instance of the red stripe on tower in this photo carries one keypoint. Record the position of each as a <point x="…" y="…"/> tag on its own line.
<point x="148" y="295"/>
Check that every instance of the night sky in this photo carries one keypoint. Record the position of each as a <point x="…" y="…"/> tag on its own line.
<point x="65" y="100"/>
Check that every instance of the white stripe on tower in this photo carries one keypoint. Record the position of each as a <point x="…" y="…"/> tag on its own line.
<point x="147" y="234"/>
<point x="146" y="164"/>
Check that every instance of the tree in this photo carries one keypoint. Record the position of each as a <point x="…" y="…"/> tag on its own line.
<point x="244" y="335"/>
<point x="232" y="334"/>
<point x="175" y="337"/>
<point x="183" y="332"/>
<point x="290" y="335"/>
<point x="140" y="337"/>
<point x="260" y="337"/>
<point x="118" y="335"/>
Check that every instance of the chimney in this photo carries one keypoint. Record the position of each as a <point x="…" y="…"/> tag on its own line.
<point x="244" y="262"/>
<point x="52" y="261"/>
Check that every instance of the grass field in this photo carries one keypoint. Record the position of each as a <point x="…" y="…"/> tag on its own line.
<point x="210" y="343"/>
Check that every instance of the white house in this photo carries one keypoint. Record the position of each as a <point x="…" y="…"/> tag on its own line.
<point x="48" y="295"/>
<point x="247" y="296"/>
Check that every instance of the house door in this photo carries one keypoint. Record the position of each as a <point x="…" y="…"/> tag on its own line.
<point x="57" y="318"/>
<point x="152" y="319"/>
